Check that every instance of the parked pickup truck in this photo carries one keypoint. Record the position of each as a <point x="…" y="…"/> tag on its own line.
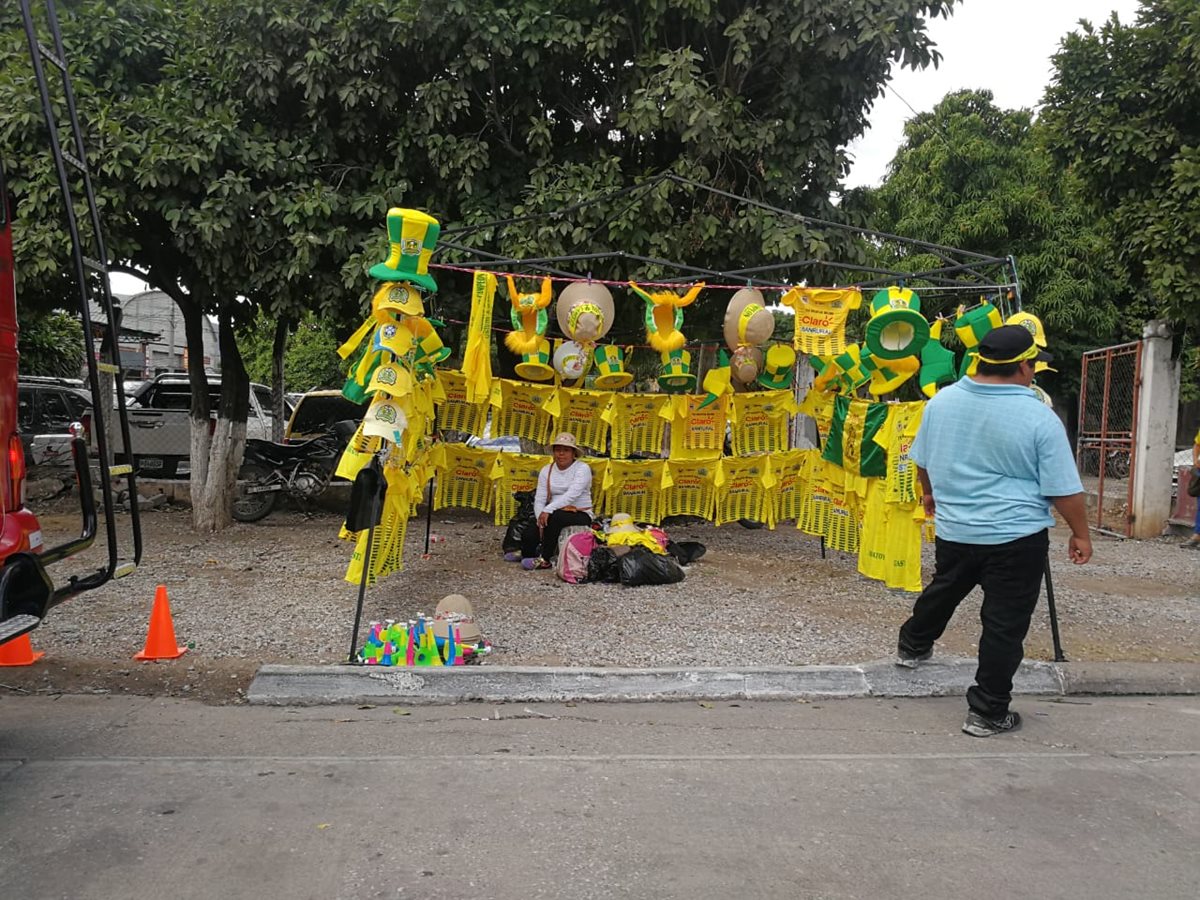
<point x="160" y="423"/>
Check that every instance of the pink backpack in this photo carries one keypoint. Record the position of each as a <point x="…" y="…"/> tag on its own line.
<point x="575" y="547"/>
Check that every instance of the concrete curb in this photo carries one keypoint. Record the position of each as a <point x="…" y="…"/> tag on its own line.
<point x="316" y="685"/>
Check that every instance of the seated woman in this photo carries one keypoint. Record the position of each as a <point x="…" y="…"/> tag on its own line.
<point x="563" y="498"/>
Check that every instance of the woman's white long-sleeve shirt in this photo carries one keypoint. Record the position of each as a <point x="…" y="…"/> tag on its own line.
<point x="557" y="488"/>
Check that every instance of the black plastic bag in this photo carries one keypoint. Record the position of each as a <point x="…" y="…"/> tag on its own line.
<point x="686" y="552"/>
<point x="520" y="524"/>
<point x="641" y="566"/>
<point x="604" y="566"/>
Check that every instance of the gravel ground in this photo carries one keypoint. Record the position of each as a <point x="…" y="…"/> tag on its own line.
<point x="274" y="592"/>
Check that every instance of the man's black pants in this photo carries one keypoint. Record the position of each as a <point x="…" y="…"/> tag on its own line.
<point x="548" y="539"/>
<point x="1011" y="577"/>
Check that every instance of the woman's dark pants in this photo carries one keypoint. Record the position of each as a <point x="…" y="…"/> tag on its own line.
<point x="1011" y="577"/>
<point x="546" y="544"/>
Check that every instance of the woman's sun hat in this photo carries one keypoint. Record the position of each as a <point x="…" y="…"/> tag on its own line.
<point x="566" y="439"/>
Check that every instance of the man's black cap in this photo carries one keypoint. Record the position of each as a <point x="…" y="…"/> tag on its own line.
<point x="1010" y="343"/>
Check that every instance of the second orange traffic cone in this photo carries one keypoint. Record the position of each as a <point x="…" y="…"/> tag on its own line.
<point x="19" y="652"/>
<point x="160" y="641"/>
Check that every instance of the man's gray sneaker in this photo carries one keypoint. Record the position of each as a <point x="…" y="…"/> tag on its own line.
<point x="908" y="660"/>
<point x="980" y="726"/>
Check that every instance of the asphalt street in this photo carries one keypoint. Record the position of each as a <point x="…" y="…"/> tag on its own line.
<point x="122" y="798"/>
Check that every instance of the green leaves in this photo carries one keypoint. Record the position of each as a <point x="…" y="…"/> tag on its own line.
<point x="1123" y="112"/>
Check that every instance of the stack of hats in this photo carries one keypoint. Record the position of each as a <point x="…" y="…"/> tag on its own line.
<point x="401" y="345"/>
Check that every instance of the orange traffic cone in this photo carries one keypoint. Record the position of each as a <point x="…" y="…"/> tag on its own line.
<point x="160" y="641"/>
<point x="19" y="652"/>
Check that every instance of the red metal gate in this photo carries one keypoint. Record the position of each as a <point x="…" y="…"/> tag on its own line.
<point x="1108" y="404"/>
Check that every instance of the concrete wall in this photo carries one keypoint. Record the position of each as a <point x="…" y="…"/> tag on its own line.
<point x="1158" y="406"/>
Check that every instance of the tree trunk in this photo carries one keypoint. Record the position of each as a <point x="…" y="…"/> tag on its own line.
<point x="278" y="388"/>
<point x="201" y="409"/>
<point x="212" y="504"/>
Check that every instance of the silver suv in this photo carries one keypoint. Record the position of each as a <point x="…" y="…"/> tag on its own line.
<point x="45" y="409"/>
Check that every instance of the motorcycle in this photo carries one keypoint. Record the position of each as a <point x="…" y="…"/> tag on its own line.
<point x="301" y="471"/>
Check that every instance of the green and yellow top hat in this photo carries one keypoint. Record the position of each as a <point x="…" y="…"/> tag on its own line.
<point x="972" y="324"/>
<point x="413" y="236"/>
<point x="610" y="363"/>
<point x="778" y="366"/>
<point x="676" y="376"/>
<point x="536" y="366"/>
<point x="896" y="328"/>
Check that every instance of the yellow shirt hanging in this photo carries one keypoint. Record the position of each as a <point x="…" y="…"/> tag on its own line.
<point x="821" y="318"/>
<point x="693" y="490"/>
<point x="890" y="549"/>
<point x="523" y="410"/>
<point x="464" y="476"/>
<point x="582" y="414"/>
<point x="789" y="470"/>
<point x="638" y="422"/>
<point x="514" y="472"/>
<point x="759" y="422"/>
<point x="698" y="433"/>
<point x="636" y="486"/>
<point x="456" y="413"/>
<point x="896" y="437"/>
<point x="744" y="490"/>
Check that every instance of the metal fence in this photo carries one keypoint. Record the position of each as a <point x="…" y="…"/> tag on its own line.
<point x="1108" y="403"/>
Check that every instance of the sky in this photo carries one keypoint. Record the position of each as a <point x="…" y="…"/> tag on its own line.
<point x="1001" y="45"/>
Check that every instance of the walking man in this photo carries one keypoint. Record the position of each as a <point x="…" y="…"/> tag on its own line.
<point x="992" y="459"/>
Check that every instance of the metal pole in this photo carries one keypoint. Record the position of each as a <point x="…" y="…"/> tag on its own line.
<point x="1058" y="650"/>
<point x="428" y="513"/>
<point x="429" y="490"/>
<point x="366" y="568"/>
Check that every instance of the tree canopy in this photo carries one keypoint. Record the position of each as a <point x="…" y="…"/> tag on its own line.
<point x="253" y="150"/>
<point x="974" y="176"/>
<point x="1123" y="112"/>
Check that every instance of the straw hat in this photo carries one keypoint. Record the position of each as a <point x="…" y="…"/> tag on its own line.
<point x="456" y="608"/>
<point x="622" y="523"/>
<point x="566" y="439"/>
<point x="748" y="322"/>
<point x="745" y="364"/>
<point x="585" y="311"/>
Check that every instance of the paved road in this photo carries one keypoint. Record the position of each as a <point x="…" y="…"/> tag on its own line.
<point x="120" y="798"/>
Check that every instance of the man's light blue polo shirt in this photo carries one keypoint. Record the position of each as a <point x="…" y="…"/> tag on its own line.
<point x="994" y="454"/>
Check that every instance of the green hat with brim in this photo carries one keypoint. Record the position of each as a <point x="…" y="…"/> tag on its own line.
<point x="676" y="376"/>
<point x="536" y="366"/>
<point x="896" y="328"/>
<point x="610" y="363"/>
<point x="778" y="367"/>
